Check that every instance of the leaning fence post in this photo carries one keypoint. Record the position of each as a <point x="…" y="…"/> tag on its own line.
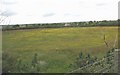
<point x="117" y="60"/>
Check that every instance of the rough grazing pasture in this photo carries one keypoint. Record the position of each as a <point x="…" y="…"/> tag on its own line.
<point x="57" y="48"/>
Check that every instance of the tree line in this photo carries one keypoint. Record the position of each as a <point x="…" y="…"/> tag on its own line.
<point x="60" y="25"/>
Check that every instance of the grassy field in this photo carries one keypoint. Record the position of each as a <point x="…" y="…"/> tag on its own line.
<point x="57" y="48"/>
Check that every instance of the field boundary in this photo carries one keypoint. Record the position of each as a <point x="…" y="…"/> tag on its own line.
<point x="106" y="69"/>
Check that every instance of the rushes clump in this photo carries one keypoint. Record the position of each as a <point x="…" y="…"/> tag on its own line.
<point x="35" y="60"/>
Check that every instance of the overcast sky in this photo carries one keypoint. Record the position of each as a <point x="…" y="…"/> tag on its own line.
<point x="53" y="11"/>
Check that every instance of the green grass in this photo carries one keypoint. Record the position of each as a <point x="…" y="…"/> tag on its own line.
<point x="58" y="47"/>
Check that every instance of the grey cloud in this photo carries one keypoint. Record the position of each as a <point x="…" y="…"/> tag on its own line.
<point x="81" y="2"/>
<point x="69" y="14"/>
<point x="101" y="4"/>
<point x="8" y="13"/>
<point x="9" y="2"/>
<point x="48" y="14"/>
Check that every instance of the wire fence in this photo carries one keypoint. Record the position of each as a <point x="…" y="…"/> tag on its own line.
<point x="100" y="66"/>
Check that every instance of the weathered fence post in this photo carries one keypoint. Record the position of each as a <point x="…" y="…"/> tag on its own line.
<point x="117" y="60"/>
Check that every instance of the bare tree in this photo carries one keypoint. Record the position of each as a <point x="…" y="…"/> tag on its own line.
<point x="2" y="19"/>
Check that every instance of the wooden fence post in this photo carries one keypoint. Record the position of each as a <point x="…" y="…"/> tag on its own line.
<point x="117" y="60"/>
